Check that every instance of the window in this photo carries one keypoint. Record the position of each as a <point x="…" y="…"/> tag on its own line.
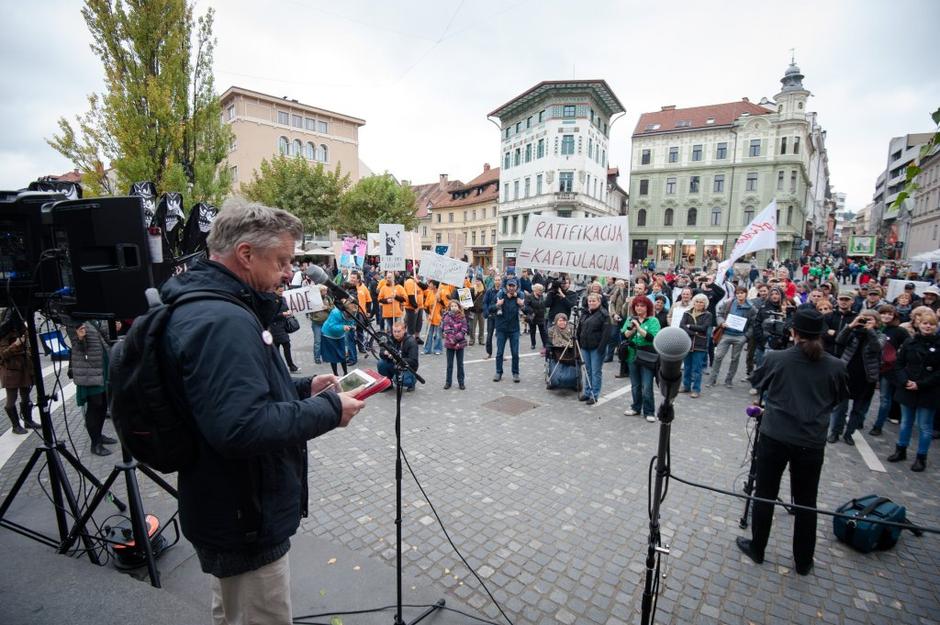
<point x="297" y="121"/>
<point x="494" y="215"/>
<point x="518" y="127"/>
<point x="568" y="111"/>
<point x="719" y="186"/>
<point x="450" y="218"/>
<point x="310" y="123"/>
<point x="674" y="155"/>
<point x="528" y="152"/>
<point x="483" y="237"/>
<point x="793" y="181"/>
<point x="515" y="224"/>
<point x="789" y="215"/>
<point x="506" y="133"/>
<point x="716" y="216"/>
<point x="693" y="184"/>
<point x="590" y="148"/>
<point x="296" y="148"/>
<point x="515" y="190"/>
<point x="562" y="212"/>
<point x="465" y="216"/>
<point x="505" y="195"/>
<point x="538" y="184"/>
<point x="283" y="118"/>
<point x="644" y="187"/>
<point x="751" y="184"/>
<point x="641" y="217"/>
<point x="721" y="151"/>
<point x="565" y="181"/>
<point x="506" y="158"/>
<point x="587" y="184"/>
<point x="783" y="145"/>
<point x="696" y="152"/>
<point x="437" y="237"/>
<point x="670" y="186"/>
<point x="645" y="157"/>
<point x="424" y="231"/>
<point x="517" y="157"/>
<point x="667" y="217"/>
<point x="324" y="154"/>
<point x="683" y="123"/>
<point x="233" y="145"/>
<point x="796" y="142"/>
<point x="233" y="171"/>
<point x="755" y="148"/>
<point x="541" y="116"/>
<point x="595" y="188"/>
<point x="540" y="149"/>
<point x="528" y="121"/>
<point x="935" y="232"/>
<point x="780" y="180"/>
<point x="505" y="224"/>
<point x="493" y="236"/>
<point x="567" y="144"/>
<point x="473" y="238"/>
<point x="230" y="111"/>
<point x="309" y="151"/>
<point x="778" y="215"/>
<point x="527" y="185"/>
<point x="323" y="127"/>
<point x="283" y="146"/>
<point x="525" y="221"/>
<point x="748" y="214"/>
<point x="438" y="218"/>
<point x="692" y="217"/>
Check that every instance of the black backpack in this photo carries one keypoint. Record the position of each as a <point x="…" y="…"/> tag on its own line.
<point x="151" y="426"/>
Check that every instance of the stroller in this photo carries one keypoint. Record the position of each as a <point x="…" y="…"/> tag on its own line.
<point x="563" y="367"/>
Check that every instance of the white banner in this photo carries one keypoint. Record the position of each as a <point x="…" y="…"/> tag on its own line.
<point x="303" y="300"/>
<point x="392" y="254"/>
<point x="443" y="269"/>
<point x="896" y="287"/>
<point x="760" y="234"/>
<point x="586" y="246"/>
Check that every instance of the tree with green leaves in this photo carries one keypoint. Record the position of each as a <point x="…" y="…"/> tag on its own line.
<point x="375" y="200"/>
<point x="159" y="117"/>
<point x="310" y="192"/>
<point x="914" y="169"/>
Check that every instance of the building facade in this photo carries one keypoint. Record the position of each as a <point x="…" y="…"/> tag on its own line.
<point x="924" y="234"/>
<point x="618" y="200"/>
<point x="699" y="175"/>
<point x="891" y="223"/>
<point x="265" y="126"/>
<point x="427" y="196"/>
<point x="554" y="141"/>
<point x="465" y="218"/>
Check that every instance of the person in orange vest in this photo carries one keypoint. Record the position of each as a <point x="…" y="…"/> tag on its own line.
<point x="411" y="305"/>
<point x="365" y="305"/>
<point x="391" y="296"/>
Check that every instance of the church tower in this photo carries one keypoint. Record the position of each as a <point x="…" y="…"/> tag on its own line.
<point x="791" y="101"/>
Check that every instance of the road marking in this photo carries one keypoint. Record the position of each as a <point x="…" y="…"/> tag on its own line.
<point x="613" y="395"/>
<point x="493" y="359"/>
<point x="10" y="442"/>
<point x="868" y="454"/>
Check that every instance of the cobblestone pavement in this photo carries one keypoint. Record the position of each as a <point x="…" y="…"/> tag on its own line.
<point x="548" y="505"/>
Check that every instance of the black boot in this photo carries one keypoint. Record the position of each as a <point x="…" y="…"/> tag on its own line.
<point x="900" y="453"/>
<point x="920" y="463"/>
<point x="26" y="411"/>
<point x="15" y="420"/>
<point x="624" y="373"/>
<point x="100" y="450"/>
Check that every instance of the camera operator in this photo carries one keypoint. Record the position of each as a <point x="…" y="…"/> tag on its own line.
<point x="408" y="346"/>
<point x="800" y="385"/>
<point x="558" y="297"/>
<point x="768" y="332"/>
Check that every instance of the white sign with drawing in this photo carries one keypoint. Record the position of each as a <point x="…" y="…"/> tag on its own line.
<point x="466" y="299"/>
<point x="443" y="269"/>
<point x="392" y="254"/>
<point x="736" y="322"/>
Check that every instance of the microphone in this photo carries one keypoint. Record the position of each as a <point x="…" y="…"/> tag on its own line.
<point x="672" y="345"/>
<point x="318" y="276"/>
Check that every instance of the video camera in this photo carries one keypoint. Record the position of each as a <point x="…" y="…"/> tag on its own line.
<point x="777" y="330"/>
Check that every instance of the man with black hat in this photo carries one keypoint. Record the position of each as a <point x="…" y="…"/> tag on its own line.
<point x="800" y="385"/>
<point x="909" y="288"/>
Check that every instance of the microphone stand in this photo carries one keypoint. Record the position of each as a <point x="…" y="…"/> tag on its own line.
<point x="401" y="367"/>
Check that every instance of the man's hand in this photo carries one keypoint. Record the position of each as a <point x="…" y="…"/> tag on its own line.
<point x="322" y="382"/>
<point x="499" y="302"/>
<point x="351" y="407"/>
<point x="911" y="385"/>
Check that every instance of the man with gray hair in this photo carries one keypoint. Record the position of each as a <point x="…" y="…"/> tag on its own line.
<point x="243" y="497"/>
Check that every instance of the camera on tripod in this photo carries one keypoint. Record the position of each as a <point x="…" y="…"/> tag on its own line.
<point x="777" y="330"/>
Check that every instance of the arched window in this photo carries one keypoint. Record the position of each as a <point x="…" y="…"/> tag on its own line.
<point x="324" y="153"/>
<point x="692" y="218"/>
<point x="297" y="148"/>
<point x="641" y="217"/>
<point x="309" y="149"/>
<point x="716" y="216"/>
<point x="283" y="146"/>
<point x="667" y="217"/>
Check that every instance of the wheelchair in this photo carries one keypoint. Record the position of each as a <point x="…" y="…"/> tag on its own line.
<point x="563" y="368"/>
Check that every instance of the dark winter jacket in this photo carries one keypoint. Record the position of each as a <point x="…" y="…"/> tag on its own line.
<point x="534" y="308"/>
<point x="88" y="356"/>
<point x="489" y="302"/>
<point x="697" y="329"/>
<point x="556" y="303"/>
<point x="896" y="335"/>
<point x="278" y="325"/>
<point x="16" y="362"/>
<point x="507" y="315"/>
<point x="408" y="347"/>
<point x="454" y="328"/>
<point x="919" y="361"/>
<point x="836" y="320"/>
<point x="244" y="496"/>
<point x="848" y="342"/>
<point x="594" y="329"/>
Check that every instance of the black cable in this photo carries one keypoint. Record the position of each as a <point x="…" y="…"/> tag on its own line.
<point x="904" y="526"/>
<point x="446" y="535"/>
<point x="299" y="619"/>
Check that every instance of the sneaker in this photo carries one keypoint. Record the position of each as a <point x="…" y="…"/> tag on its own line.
<point x="582" y="397"/>
<point x="752" y="391"/>
<point x="318" y="361"/>
<point x="294" y="369"/>
<point x="729" y="384"/>
<point x="631" y="413"/>
<point x="685" y="390"/>
<point x="515" y="378"/>
<point x="694" y="395"/>
<point x="894" y="421"/>
<point x="447" y="386"/>
<point x="832" y="438"/>
<point x="847" y="439"/>
<point x="409" y="389"/>
<point x="747" y="379"/>
<point x="650" y="418"/>
<point x="437" y="353"/>
<point x="875" y="431"/>
<point x="590" y="401"/>
<point x="462" y="387"/>
<point x="497" y="377"/>
<point x="710" y="384"/>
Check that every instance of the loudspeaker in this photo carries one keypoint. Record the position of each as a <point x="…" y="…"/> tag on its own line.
<point x="108" y="264"/>
<point x="23" y="239"/>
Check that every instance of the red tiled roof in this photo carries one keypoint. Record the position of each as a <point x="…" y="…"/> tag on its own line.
<point x="71" y="176"/>
<point x="487" y="183"/>
<point x="723" y="115"/>
<point x="489" y="175"/>
<point x="432" y="192"/>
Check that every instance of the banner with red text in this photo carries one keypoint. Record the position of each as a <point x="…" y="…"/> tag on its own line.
<point x="595" y="247"/>
<point x="760" y="234"/>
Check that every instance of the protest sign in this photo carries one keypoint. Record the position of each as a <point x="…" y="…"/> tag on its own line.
<point x="896" y="287"/>
<point x="736" y="322"/>
<point x="760" y="234"/>
<point x="353" y="253"/>
<point x="441" y="249"/>
<point x="392" y="254"/>
<point x="443" y="269"/>
<point x="374" y="244"/>
<point x="588" y="246"/>
<point x="303" y="300"/>
<point x="466" y="299"/>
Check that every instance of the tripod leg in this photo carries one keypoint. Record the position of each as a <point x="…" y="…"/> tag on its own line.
<point x="141" y="536"/>
<point x="78" y="466"/>
<point x="56" y="477"/>
<point x="156" y="479"/>
<point x="103" y="489"/>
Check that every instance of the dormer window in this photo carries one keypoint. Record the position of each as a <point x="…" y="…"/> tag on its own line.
<point x="683" y="123"/>
<point x="710" y="120"/>
<point x="652" y="126"/>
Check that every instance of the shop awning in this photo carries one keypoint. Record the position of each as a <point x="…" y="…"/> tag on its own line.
<point x="666" y="242"/>
<point x="714" y="242"/>
<point x="689" y="241"/>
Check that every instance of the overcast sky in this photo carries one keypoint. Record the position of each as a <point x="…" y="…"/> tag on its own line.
<point x="424" y="73"/>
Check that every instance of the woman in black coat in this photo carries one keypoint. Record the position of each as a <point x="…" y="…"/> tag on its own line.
<point x="860" y="347"/>
<point x="593" y="334"/>
<point x="278" y="328"/>
<point x="918" y="389"/>
<point x="697" y="322"/>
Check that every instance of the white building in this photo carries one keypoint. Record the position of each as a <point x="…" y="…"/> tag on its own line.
<point x="554" y="141"/>
<point x="889" y="223"/>
<point x="924" y="233"/>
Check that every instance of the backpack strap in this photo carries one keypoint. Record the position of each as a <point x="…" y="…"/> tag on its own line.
<point x="195" y="296"/>
<point x="869" y="509"/>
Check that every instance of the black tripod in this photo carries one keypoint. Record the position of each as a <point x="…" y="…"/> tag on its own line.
<point x="128" y="467"/>
<point x="54" y="451"/>
<point x="749" y="486"/>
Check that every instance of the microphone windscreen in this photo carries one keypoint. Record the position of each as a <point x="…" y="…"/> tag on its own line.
<point x="672" y="344"/>
<point x="316" y="274"/>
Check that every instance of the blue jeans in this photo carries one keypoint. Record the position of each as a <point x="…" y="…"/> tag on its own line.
<point x="612" y="341"/>
<point x="501" y="338"/>
<point x="451" y="355"/>
<point x="856" y="417"/>
<point x="641" y="382"/>
<point x="434" y="342"/>
<point x="317" y="333"/>
<point x="593" y="367"/>
<point x="692" y="368"/>
<point x="886" y="395"/>
<point x="387" y="368"/>
<point x="924" y="417"/>
<point x="352" y="354"/>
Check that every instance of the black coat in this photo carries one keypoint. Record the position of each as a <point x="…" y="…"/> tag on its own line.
<point x="697" y="330"/>
<point x="278" y="325"/>
<point x="534" y="308"/>
<point x="408" y="347"/>
<point x="247" y="489"/>
<point x="850" y="340"/>
<point x="556" y="303"/>
<point x="594" y="330"/>
<point x="836" y="320"/>
<point x="919" y="360"/>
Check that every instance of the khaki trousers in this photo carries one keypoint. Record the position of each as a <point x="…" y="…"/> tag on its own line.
<point x="259" y="597"/>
